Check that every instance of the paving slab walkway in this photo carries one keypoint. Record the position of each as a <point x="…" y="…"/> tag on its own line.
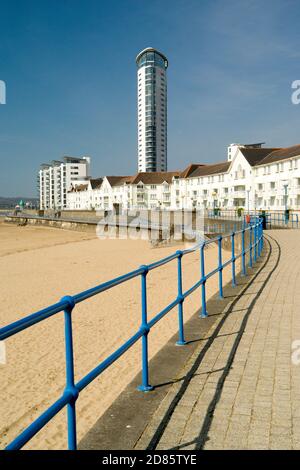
<point x="241" y="390"/>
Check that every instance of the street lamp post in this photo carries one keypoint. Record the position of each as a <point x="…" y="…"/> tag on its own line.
<point x="182" y="201"/>
<point x="248" y="200"/>
<point x="214" y="195"/>
<point x="286" y="215"/>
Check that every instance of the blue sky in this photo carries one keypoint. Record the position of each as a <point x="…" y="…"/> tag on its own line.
<point x="69" y="68"/>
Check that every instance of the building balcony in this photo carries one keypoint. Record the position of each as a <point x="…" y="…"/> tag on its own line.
<point x="259" y="192"/>
<point x="272" y="191"/>
<point x="239" y="194"/>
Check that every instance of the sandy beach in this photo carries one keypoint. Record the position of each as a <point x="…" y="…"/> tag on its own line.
<point x="40" y="265"/>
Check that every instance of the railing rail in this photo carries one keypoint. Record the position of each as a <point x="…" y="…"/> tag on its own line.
<point x="68" y="303"/>
<point x="273" y="218"/>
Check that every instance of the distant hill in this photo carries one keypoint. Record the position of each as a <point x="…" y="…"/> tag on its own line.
<point x="10" y="202"/>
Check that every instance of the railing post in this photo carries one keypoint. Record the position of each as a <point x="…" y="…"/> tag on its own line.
<point x="243" y="254"/>
<point x="203" y="290"/>
<point x="255" y="242"/>
<point x="145" y="386"/>
<point x="181" y="341"/>
<point x="260" y="237"/>
<point x="233" y="259"/>
<point x="250" y="247"/>
<point x="70" y="385"/>
<point x="220" y="268"/>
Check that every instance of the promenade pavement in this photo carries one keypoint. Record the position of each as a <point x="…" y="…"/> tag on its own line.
<point x="242" y="390"/>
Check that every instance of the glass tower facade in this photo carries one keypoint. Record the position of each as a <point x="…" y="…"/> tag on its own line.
<point x="152" y="110"/>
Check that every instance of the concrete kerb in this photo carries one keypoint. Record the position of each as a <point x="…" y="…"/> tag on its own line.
<point x="121" y="426"/>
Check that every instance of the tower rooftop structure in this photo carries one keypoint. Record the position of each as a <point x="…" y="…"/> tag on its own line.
<point x="151" y="49"/>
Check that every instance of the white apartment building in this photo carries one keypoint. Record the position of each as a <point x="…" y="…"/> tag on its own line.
<point x="276" y="182"/>
<point x="56" y="178"/>
<point x="152" y="190"/>
<point x="141" y="191"/>
<point x="84" y="196"/>
<point x="152" y="110"/>
<point x="252" y="177"/>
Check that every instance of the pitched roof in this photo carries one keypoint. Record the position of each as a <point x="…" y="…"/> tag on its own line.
<point x="118" y="180"/>
<point x="96" y="182"/>
<point x="205" y="170"/>
<point x="190" y="169"/>
<point x="255" y="155"/>
<point x="157" y="177"/>
<point x="281" y="154"/>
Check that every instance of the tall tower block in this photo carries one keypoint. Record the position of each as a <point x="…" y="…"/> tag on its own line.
<point x="152" y="110"/>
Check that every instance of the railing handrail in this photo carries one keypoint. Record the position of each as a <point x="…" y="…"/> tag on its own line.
<point x="68" y="303"/>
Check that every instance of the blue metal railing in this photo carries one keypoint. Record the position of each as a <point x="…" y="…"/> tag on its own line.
<point x="273" y="218"/>
<point x="281" y="220"/>
<point x="67" y="304"/>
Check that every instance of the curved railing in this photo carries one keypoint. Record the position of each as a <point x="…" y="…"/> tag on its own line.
<point x="273" y="218"/>
<point x="68" y="303"/>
